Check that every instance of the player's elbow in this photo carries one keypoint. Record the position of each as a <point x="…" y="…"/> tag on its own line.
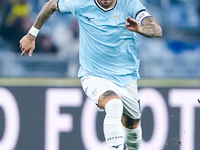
<point x="157" y="32"/>
<point x="52" y="5"/>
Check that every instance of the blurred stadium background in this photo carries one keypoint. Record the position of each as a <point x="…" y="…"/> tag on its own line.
<point x="175" y="55"/>
<point x="170" y="72"/>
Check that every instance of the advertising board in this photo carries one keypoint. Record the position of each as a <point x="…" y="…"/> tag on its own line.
<point x="62" y="118"/>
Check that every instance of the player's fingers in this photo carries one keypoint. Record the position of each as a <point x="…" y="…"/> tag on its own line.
<point x="21" y="47"/>
<point x="127" y="24"/>
<point x="20" y="42"/>
<point x="31" y="52"/>
<point x="128" y="18"/>
<point x="128" y="21"/>
<point x="23" y="52"/>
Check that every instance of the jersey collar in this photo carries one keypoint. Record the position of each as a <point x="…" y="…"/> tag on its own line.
<point x="105" y="10"/>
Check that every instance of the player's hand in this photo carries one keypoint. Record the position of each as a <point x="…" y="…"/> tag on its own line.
<point x="132" y="25"/>
<point x="27" y="44"/>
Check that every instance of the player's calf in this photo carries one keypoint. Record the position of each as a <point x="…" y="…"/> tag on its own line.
<point x="133" y="138"/>
<point x="113" y="129"/>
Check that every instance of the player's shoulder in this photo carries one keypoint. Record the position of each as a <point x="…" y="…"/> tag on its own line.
<point x="128" y="3"/>
<point x="74" y="1"/>
<point x="132" y="1"/>
<point x="83" y="3"/>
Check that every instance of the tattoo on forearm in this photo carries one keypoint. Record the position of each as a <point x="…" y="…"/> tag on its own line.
<point x="46" y="12"/>
<point x="150" y="28"/>
<point x="108" y="94"/>
<point x="30" y="37"/>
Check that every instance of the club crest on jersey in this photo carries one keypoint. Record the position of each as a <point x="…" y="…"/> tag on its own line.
<point x="117" y="17"/>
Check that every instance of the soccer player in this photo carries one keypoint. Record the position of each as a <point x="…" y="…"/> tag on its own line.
<point x="108" y="58"/>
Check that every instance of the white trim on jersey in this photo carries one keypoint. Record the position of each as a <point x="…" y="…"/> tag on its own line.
<point x="102" y="7"/>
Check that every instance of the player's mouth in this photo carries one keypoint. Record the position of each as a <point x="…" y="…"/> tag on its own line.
<point x="106" y="2"/>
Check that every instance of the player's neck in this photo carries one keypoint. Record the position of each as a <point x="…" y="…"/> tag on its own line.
<point x="106" y="4"/>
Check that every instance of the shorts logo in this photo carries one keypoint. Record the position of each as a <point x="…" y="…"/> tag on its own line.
<point x="94" y="93"/>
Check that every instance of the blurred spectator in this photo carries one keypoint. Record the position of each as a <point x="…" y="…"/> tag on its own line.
<point x="198" y="8"/>
<point x="2" y="4"/>
<point x="67" y="40"/>
<point x="16" y="23"/>
<point x="73" y="64"/>
<point x="2" y="9"/>
<point x="73" y="26"/>
<point x="45" y="45"/>
<point x="12" y="26"/>
<point x="180" y="20"/>
<point x="175" y="1"/>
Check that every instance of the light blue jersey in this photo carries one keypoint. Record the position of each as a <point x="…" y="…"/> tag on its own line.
<point x="107" y="49"/>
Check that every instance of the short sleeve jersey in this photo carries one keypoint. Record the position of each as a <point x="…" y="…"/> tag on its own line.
<point x="107" y="49"/>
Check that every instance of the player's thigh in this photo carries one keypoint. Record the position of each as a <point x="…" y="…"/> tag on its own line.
<point x="131" y="102"/>
<point x="130" y="123"/>
<point x="99" y="90"/>
<point x="107" y="96"/>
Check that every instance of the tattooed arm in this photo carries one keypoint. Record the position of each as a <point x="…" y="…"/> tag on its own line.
<point x="27" y="43"/>
<point x="150" y="28"/>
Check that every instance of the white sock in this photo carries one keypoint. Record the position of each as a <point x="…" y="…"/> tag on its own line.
<point x="113" y="129"/>
<point x="133" y="138"/>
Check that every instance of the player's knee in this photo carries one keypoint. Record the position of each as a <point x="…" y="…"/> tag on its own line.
<point x="105" y="97"/>
<point x="114" y="108"/>
<point x="108" y="95"/>
<point x="129" y="122"/>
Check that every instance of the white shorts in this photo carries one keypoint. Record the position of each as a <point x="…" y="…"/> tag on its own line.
<point x="94" y="87"/>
